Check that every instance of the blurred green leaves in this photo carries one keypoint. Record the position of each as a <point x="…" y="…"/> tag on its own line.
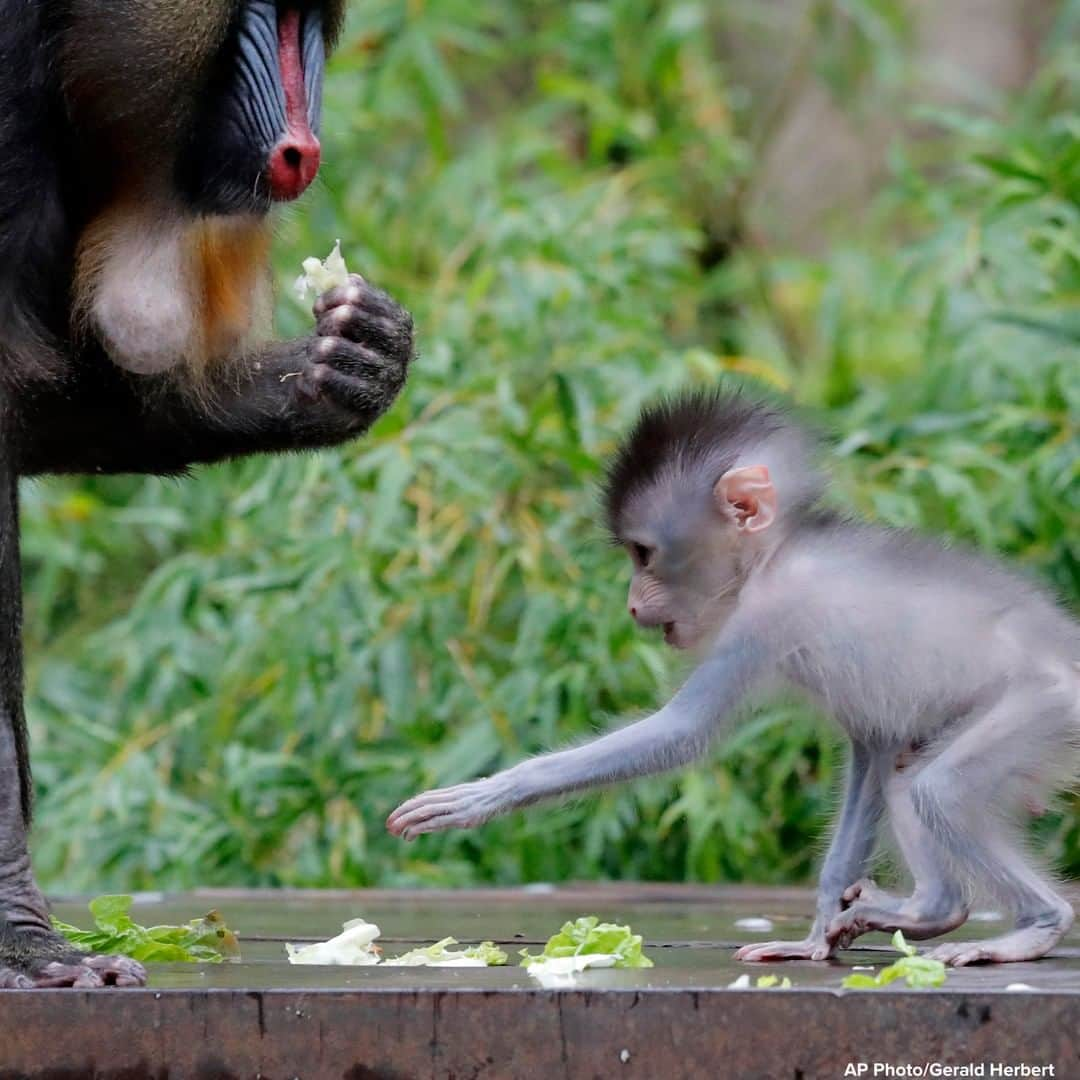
<point x="234" y="678"/>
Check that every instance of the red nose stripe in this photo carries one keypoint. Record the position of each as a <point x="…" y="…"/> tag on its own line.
<point x="294" y="161"/>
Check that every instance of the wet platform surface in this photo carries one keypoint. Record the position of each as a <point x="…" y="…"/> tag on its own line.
<point x="264" y="1017"/>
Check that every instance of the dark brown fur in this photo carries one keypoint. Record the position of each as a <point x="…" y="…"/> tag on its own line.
<point x="135" y="130"/>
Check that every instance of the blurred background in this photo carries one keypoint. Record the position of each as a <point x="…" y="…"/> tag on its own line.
<point x="871" y="206"/>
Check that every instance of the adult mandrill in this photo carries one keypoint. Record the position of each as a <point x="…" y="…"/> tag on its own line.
<point x="143" y="143"/>
<point x="957" y="682"/>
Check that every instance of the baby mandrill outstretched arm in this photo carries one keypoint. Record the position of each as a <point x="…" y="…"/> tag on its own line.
<point x="676" y="735"/>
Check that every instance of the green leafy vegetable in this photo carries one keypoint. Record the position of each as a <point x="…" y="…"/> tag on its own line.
<point x="766" y="982"/>
<point x="486" y="954"/>
<point x="201" y="940"/>
<point x="588" y="936"/>
<point x="918" y="971"/>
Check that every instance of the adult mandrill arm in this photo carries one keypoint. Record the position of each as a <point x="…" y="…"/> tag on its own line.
<point x="315" y="391"/>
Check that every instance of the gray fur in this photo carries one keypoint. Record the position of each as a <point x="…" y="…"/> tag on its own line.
<point x="957" y="681"/>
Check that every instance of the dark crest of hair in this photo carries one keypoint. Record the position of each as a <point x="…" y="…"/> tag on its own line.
<point x="685" y="430"/>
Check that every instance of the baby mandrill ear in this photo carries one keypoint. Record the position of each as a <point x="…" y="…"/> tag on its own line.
<point x="747" y="497"/>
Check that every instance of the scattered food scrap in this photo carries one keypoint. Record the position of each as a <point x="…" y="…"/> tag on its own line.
<point x="207" y="939"/>
<point x="764" y="982"/>
<point x="917" y="971"/>
<point x="354" y="945"/>
<point x="759" y="924"/>
<point x="441" y="954"/>
<point x="585" y="943"/>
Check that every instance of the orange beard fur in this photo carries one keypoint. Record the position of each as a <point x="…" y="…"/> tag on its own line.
<point x="230" y="264"/>
<point x="164" y="293"/>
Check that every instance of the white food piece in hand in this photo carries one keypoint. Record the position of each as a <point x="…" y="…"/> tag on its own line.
<point x="354" y="945"/>
<point x="321" y="275"/>
<point x="758" y="924"/>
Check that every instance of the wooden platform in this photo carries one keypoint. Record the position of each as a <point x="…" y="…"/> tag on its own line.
<point x="263" y="1017"/>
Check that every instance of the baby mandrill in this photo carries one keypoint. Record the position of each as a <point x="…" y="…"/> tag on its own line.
<point x="957" y="682"/>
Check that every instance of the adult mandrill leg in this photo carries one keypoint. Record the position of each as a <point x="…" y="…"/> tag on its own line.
<point x="32" y="954"/>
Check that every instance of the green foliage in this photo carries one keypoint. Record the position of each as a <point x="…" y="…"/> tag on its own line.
<point x="234" y="678"/>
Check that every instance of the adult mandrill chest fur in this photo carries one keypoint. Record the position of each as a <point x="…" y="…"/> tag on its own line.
<point x="145" y="144"/>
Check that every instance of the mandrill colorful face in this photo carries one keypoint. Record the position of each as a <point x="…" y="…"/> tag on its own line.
<point x="217" y="103"/>
<point x="192" y="120"/>
<point x="255" y="140"/>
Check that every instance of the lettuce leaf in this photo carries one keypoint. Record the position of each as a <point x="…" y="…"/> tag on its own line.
<point x="354" y="945"/>
<point x="918" y="971"/>
<point x="199" y="941"/>
<point x="588" y="936"/>
<point x="486" y="954"/>
<point x="764" y="982"/>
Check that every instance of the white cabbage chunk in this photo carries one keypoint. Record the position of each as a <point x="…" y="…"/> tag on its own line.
<point x="553" y="972"/>
<point x="320" y="275"/>
<point x="354" y="945"/>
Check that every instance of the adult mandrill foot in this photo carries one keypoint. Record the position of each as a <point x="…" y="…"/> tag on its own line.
<point x="36" y="959"/>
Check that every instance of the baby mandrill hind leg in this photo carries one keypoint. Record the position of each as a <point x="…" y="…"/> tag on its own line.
<point x="937" y="903"/>
<point x="988" y="768"/>
<point x="849" y="856"/>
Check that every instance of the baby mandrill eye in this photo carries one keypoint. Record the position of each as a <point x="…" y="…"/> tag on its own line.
<point x="642" y="554"/>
